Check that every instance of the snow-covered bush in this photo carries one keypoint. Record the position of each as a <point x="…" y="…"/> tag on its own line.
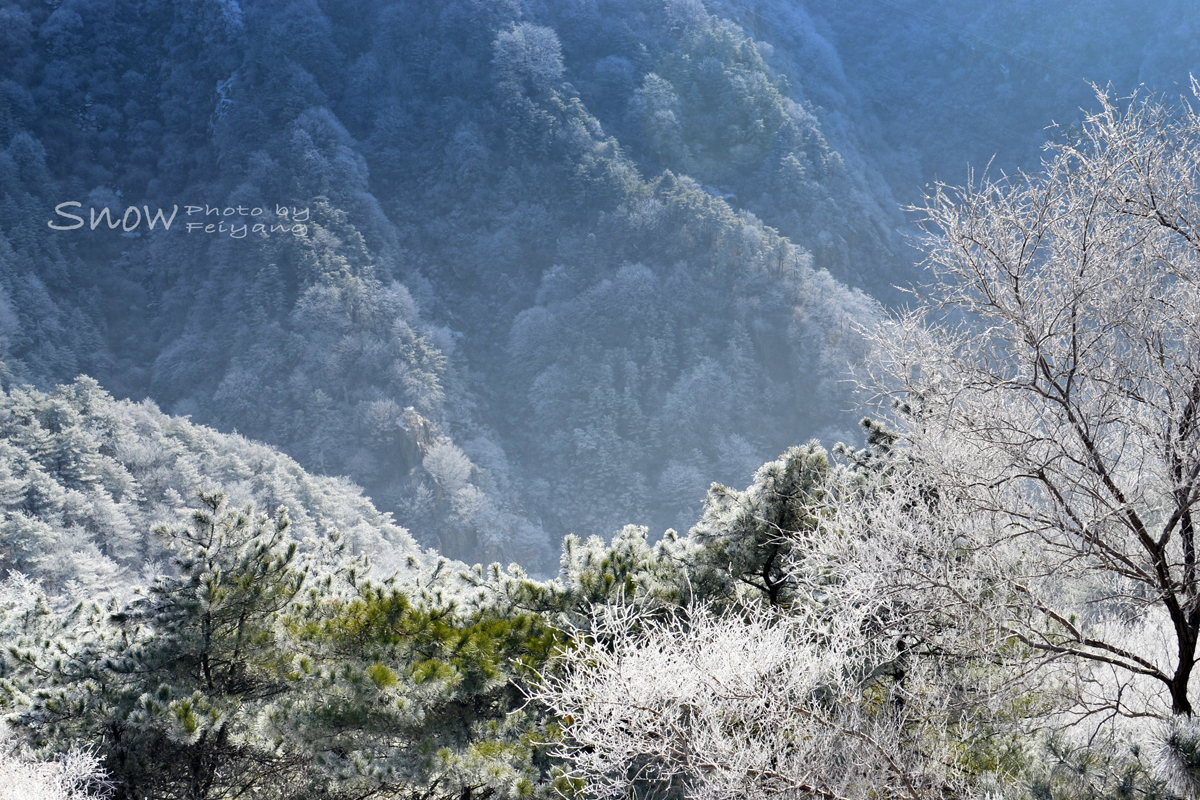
<point x="75" y="775"/>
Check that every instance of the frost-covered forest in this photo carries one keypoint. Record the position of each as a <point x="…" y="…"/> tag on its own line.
<point x="599" y="399"/>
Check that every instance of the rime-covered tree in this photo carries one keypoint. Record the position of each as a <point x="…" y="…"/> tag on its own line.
<point x="171" y="686"/>
<point x="744" y="537"/>
<point x="1061" y="411"/>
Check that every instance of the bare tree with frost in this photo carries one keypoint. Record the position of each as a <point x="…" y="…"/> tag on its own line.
<point x="1061" y="413"/>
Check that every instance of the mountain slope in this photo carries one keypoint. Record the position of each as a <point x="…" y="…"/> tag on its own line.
<point x="503" y="322"/>
<point x="85" y="480"/>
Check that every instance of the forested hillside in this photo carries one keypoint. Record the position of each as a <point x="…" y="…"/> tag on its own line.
<point x="560" y="237"/>
<point x="586" y="244"/>
<point x="88" y="480"/>
<point x="315" y="314"/>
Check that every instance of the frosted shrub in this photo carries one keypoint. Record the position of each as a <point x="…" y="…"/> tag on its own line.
<point x="74" y="776"/>
<point x="746" y="704"/>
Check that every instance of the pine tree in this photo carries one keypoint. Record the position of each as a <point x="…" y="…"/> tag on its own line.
<point x="743" y="538"/>
<point x="171" y="687"/>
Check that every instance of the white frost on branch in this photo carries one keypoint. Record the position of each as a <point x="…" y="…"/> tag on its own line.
<point x="1060" y="415"/>
<point x="747" y="704"/>
<point x="73" y="776"/>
